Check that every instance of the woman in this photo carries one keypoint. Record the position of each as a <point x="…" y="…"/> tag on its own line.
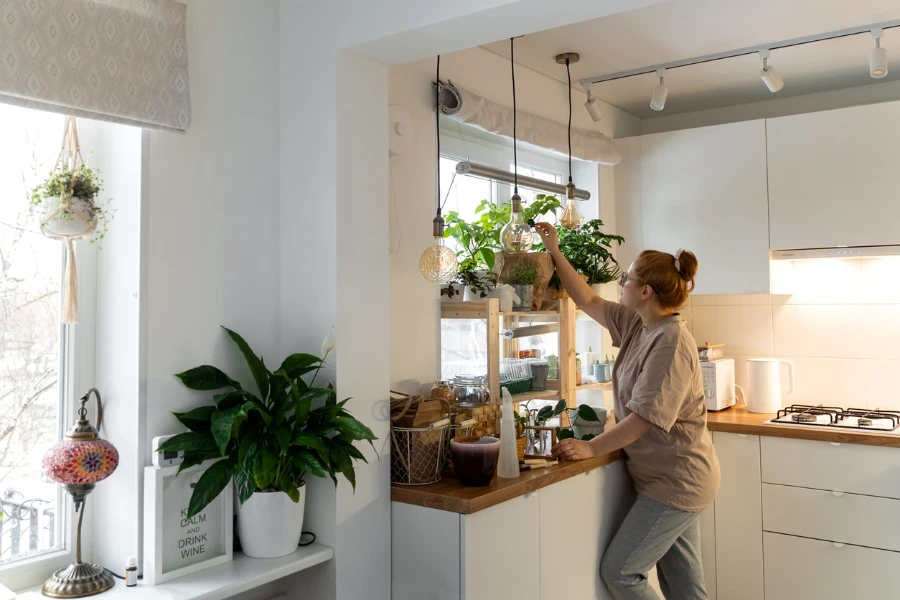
<point x="660" y="424"/>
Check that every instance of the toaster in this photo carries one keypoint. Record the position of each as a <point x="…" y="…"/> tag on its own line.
<point x="718" y="383"/>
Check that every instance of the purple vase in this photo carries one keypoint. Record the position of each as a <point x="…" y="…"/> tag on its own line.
<point x="475" y="459"/>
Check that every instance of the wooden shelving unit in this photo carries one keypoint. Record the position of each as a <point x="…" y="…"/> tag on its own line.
<point x="594" y="386"/>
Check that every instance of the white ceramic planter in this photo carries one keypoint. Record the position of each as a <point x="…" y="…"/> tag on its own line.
<point x="580" y="427"/>
<point x="270" y="524"/>
<point x="71" y="221"/>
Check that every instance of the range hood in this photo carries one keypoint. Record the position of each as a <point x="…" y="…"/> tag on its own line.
<point x="839" y="252"/>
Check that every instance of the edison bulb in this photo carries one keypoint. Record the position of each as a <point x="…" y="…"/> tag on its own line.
<point x="571" y="219"/>
<point x="438" y="263"/>
<point x="516" y="237"/>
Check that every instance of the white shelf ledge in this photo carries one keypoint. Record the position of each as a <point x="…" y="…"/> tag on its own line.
<point x="216" y="583"/>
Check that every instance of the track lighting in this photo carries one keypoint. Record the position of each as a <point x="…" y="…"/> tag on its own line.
<point x="660" y="92"/>
<point x="878" y="65"/>
<point x="771" y="78"/>
<point x="592" y="105"/>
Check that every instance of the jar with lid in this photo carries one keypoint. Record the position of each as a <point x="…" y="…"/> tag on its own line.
<point x="469" y="391"/>
<point x="441" y="391"/>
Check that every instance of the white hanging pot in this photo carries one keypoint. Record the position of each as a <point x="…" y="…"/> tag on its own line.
<point x="270" y="524"/>
<point x="73" y="219"/>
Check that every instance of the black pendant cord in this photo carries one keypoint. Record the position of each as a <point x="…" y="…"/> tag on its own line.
<point x="569" y="75"/>
<point x="512" y="66"/>
<point x="437" y="133"/>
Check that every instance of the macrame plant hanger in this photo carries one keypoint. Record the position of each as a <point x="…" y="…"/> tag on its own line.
<point x="79" y="224"/>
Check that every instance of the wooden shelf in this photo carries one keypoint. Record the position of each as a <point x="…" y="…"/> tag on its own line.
<point x="594" y="386"/>
<point x="465" y="310"/>
<point x="534" y="395"/>
<point x="528" y="313"/>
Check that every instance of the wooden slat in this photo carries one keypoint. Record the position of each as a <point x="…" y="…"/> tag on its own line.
<point x="493" y="339"/>
<point x="510" y="347"/>
<point x="594" y="386"/>
<point x="466" y="310"/>
<point x="448" y="494"/>
<point x="567" y="356"/>
<point x="533" y="395"/>
<point x="738" y="419"/>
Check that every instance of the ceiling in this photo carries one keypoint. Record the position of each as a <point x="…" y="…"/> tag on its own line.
<point x="683" y="29"/>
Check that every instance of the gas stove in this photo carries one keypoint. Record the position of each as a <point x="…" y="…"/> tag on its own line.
<point x="856" y="419"/>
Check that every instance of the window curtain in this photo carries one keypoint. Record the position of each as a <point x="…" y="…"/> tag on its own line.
<point x="466" y="107"/>
<point x="116" y="60"/>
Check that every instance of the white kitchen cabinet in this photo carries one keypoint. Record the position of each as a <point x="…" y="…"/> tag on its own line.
<point x="830" y="177"/>
<point x="704" y="190"/>
<point x="738" y="527"/>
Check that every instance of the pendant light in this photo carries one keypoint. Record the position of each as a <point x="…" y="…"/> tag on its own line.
<point x="516" y="237"/>
<point x="571" y="219"/>
<point x="438" y="263"/>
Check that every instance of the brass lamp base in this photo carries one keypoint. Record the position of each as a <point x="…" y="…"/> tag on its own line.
<point x="77" y="581"/>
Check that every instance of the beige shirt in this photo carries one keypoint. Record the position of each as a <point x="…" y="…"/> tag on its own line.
<point x="657" y="375"/>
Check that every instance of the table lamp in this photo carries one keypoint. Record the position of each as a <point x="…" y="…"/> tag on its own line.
<point x="78" y="462"/>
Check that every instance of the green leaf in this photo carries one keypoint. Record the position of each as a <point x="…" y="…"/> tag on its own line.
<point x="249" y="407"/>
<point x="207" y="378"/>
<point x="192" y="460"/>
<point x="489" y="259"/>
<point x="354" y="428"/>
<point x="307" y="461"/>
<point x="560" y="408"/>
<point x="244" y="483"/>
<point x="210" y="485"/>
<point x="299" y="364"/>
<point x="586" y="413"/>
<point x="545" y="414"/>
<point x="250" y="446"/>
<point x="264" y="468"/>
<point x="283" y="436"/>
<point x="564" y="434"/>
<point x="257" y="368"/>
<point x="309" y="440"/>
<point x="288" y="487"/>
<point x="222" y="420"/>
<point x="332" y="396"/>
<point x="192" y="442"/>
<point x="352" y="450"/>
<point x="233" y="398"/>
<point x="197" y="419"/>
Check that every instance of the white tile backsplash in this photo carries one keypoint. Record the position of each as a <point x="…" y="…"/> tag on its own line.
<point x="836" y="331"/>
<point x="828" y="381"/>
<point x="881" y="384"/>
<point x="745" y="330"/>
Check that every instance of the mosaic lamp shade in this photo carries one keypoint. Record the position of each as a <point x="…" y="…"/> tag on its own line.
<point x="78" y="462"/>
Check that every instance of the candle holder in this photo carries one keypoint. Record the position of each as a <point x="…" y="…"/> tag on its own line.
<point x="78" y="462"/>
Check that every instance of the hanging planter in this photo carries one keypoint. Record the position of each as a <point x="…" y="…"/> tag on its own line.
<point x="69" y="210"/>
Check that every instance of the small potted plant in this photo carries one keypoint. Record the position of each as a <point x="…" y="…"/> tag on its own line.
<point x="587" y="423"/>
<point x="477" y="284"/>
<point x="523" y="276"/>
<point x="68" y="203"/>
<point x="270" y="442"/>
<point x="588" y="251"/>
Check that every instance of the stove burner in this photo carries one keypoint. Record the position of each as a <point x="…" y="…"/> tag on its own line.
<point x="864" y="422"/>
<point x="844" y="418"/>
<point x="804" y="418"/>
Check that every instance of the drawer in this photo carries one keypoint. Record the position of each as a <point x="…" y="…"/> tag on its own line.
<point x="854" y="468"/>
<point x="804" y="569"/>
<point x="833" y="516"/>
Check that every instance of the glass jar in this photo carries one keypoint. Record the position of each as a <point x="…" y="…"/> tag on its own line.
<point x="469" y="391"/>
<point x="441" y="391"/>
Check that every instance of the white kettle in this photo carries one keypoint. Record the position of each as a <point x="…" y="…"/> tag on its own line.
<point x="764" y="389"/>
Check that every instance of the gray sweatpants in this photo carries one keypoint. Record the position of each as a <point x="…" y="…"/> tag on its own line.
<point x="655" y="534"/>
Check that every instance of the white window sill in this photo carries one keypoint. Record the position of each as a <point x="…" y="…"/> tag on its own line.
<point x="215" y="583"/>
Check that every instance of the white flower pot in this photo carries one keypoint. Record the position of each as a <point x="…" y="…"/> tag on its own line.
<point x="74" y="220"/>
<point x="270" y="524"/>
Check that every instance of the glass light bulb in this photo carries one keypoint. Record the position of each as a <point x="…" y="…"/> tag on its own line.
<point x="438" y="263"/>
<point x="571" y="219"/>
<point x="517" y="237"/>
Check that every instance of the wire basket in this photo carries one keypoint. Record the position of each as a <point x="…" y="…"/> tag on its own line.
<point x="418" y="454"/>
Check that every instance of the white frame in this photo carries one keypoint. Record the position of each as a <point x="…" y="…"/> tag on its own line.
<point x="153" y="524"/>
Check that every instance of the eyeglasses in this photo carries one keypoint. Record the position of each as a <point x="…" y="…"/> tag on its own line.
<point x="623" y="278"/>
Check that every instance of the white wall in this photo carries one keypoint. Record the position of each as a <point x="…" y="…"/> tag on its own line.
<point x="415" y="340"/>
<point x="776" y="107"/>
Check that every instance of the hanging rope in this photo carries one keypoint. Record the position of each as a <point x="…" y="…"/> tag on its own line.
<point x="569" y="76"/>
<point x="512" y="66"/>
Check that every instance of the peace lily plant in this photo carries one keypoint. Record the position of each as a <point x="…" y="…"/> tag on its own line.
<point x="268" y="440"/>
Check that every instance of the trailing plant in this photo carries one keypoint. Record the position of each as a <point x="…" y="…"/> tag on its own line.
<point x="78" y="182"/>
<point x="588" y="251"/>
<point x="523" y="273"/>
<point x="271" y="440"/>
<point x="585" y="413"/>
<point x="546" y="413"/>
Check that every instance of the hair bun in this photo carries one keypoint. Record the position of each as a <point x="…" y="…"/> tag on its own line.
<point x="686" y="264"/>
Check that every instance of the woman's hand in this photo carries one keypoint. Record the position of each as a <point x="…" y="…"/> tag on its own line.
<point x="572" y="449"/>
<point x="549" y="236"/>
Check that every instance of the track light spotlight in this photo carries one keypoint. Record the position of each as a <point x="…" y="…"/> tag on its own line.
<point x="768" y="74"/>
<point x="660" y="92"/>
<point x="878" y="65"/>
<point x="592" y="105"/>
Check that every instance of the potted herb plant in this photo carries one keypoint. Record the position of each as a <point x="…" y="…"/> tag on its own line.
<point x="523" y="276"/>
<point x="270" y="441"/>
<point x="588" y="250"/>
<point x="68" y="203"/>
<point x="587" y="423"/>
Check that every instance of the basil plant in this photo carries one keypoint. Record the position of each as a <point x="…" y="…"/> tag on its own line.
<point x="272" y="439"/>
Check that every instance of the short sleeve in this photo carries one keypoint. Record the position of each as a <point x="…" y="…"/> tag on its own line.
<point x="619" y="321"/>
<point x="662" y="387"/>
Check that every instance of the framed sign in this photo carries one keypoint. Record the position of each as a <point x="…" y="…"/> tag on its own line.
<point x="174" y="545"/>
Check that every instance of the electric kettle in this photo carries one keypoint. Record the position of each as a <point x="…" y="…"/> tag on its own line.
<point x="764" y="387"/>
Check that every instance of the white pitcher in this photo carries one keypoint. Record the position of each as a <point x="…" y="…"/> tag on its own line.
<point x="764" y="389"/>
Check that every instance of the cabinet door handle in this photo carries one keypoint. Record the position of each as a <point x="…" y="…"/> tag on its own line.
<point x="835" y="443"/>
<point x="837" y="494"/>
<point x="837" y="544"/>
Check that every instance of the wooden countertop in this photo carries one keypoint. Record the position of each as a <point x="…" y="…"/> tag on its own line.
<point x="448" y="494"/>
<point x="738" y="419"/>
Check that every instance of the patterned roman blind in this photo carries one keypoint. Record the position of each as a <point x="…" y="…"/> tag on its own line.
<point x="116" y="60"/>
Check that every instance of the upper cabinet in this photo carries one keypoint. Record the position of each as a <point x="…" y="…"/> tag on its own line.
<point x="704" y="190"/>
<point x="831" y="178"/>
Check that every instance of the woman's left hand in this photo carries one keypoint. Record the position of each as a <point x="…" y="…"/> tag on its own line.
<point x="572" y="449"/>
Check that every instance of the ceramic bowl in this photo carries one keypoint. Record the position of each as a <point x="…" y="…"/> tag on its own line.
<point x="475" y="458"/>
